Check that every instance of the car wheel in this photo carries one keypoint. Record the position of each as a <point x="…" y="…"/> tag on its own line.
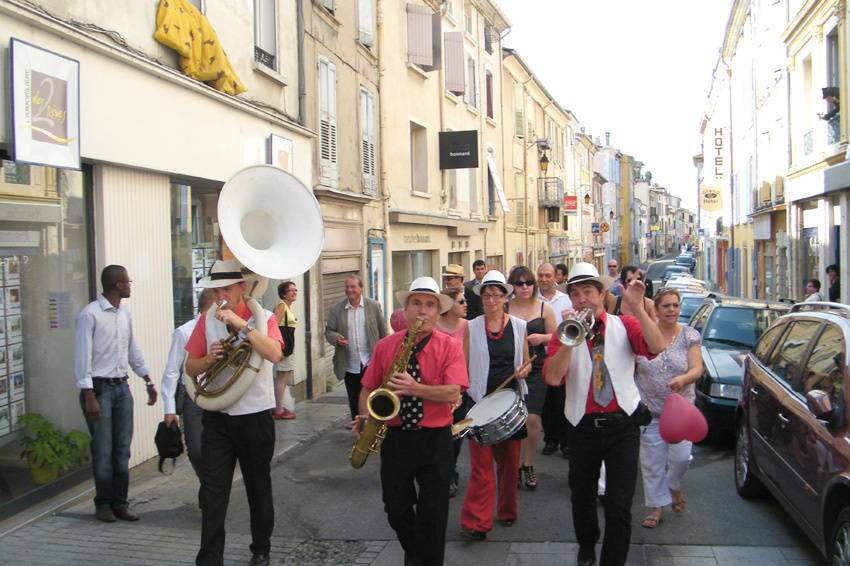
<point x="746" y="483"/>
<point x="839" y="553"/>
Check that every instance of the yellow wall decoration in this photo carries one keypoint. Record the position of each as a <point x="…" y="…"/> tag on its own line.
<point x="180" y="26"/>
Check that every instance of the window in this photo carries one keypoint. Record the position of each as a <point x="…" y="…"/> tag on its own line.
<point x="491" y="186"/>
<point x="833" y="78"/>
<point x="454" y="61"/>
<point x="407" y="266"/>
<point x="825" y="366"/>
<point x="328" y="164"/>
<point x="489" y="31"/>
<point x="468" y="18"/>
<point x="470" y="96"/>
<point x="418" y="158"/>
<point x="367" y="142"/>
<point x="519" y="111"/>
<point x="450" y="9"/>
<point x="785" y="361"/>
<point x="488" y="93"/>
<point x="519" y="202"/>
<point x="199" y="4"/>
<point x="699" y="318"/>
<point x="329" y="5"/>
<point x="763" y="347"/>
<point x="265" y="36"/>
<point x="473" y="190"/>
<point x="366" y="22"/>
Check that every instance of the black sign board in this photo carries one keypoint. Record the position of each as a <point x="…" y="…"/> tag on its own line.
<point x="459" y="150"/>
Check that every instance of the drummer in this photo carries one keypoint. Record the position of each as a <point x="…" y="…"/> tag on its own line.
<point x="495" y="348"/>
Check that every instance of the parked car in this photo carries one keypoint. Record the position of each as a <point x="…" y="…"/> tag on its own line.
<point x="792" y="432"/>
<point x="688" y="305"/>
<point x="687" y="260"/>
<point x="671" y="269"/>
<point x="686" y="283"/>
<point x="730" y="328"/>
<point x="655" y="271"/>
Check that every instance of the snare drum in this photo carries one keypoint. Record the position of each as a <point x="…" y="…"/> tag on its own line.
<point x="496" y="417"/>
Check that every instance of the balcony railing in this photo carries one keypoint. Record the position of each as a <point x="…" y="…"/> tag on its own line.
<point x="833" y="130"/>
<point x="808" y="142"/>
<point x="550" y="192"/>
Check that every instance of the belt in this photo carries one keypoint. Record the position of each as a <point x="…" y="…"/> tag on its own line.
<point x="605" y="420"/>
<point x="111" y="380"/>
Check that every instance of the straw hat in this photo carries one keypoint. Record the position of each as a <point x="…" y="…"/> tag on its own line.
<point x="426" y="286"/>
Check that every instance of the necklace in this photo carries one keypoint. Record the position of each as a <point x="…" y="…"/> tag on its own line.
<point x="498" y="335"/>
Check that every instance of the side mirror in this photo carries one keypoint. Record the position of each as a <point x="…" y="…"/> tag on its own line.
<point x="819" y="404"/>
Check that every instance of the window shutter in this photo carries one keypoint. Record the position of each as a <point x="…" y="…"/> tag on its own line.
<point x="366" y="22"/>
<point x="330" y="5"/>
<point x="488" y="84"/>
<point x="367" y="142"/>
<point x="420" y="43"/>
<point x="519" y="111"/>
<point x="455" y="82"/>
<point x="328" y="170"/>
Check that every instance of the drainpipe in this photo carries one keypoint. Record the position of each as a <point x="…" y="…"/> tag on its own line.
<point x="382" y="125"/>
<point x="732" y="186"/>
<point x="302" y="107"/>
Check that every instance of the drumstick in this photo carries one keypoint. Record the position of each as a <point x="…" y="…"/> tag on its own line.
<point x="513" y="375"/>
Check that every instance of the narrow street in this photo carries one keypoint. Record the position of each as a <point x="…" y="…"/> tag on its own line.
<point x="329" y="514"/>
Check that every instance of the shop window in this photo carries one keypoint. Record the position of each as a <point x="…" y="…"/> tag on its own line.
<point x="195" y="244"/>
<point x="407" y="266"/>
<point x="45" y="280"/>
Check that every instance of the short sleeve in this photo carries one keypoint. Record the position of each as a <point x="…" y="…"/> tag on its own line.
<point x="636" y="338"/>
<point x="273" y="329"/>
<point x="692" y="336"/>
<point x="454" y="372"/>
<point x="197" y="344"/>
<point x="374" y="374"/>
<point x="551" y="348"/>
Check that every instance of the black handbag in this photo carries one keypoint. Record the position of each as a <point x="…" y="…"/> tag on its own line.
<point x="169" y="443"/>
<point x="288" y="334"/>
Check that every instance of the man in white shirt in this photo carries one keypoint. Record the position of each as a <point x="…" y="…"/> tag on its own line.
<point x="171" y="385"/>
<point x="104" y="348"/>
<point x="354" y="326"/>
<point x="813" y="291"/>
<point x="555" y="429"/>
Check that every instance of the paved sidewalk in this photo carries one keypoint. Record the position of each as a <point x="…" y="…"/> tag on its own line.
<point x="169" y="530"/>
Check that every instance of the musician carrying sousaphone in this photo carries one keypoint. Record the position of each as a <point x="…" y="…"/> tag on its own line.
<point x="418" y="447"/>
<point x="243" y="431"/>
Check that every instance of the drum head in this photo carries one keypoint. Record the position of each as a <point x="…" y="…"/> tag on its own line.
<point x="492" y="407"/>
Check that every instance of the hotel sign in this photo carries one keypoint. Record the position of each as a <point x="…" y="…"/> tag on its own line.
<point x="710" y="198"/>
<point x="45" y="107"/>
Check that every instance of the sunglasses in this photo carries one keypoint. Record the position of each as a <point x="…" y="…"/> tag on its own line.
<point x="524" y="284"/>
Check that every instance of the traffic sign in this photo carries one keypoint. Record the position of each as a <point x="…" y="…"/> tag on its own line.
<point x="604" y="227"/>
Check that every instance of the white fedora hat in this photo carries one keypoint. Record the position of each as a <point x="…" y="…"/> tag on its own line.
<point x="425" y="286"/>
<point x="584" y="272"/>
<point x="224" y="272"/>
<point x="494" y="277"/>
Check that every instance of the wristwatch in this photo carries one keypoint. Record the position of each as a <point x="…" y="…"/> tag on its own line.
<point x="243" y="334"/>
<point x="148" y="382"/>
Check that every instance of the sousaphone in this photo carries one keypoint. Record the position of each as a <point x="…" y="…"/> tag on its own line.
<point x="272" y="224"/>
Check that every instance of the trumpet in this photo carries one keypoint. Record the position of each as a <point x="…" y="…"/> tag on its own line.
<point x="574" y="330"/>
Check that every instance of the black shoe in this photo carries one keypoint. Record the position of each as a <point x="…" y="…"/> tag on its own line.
<point x="549" y="448"/>
<point x="472" y="534"/>
<point x="259" y="560"/>
<point x="452" y="488"/>
<point x="565" y="451"/>
<point x="586" y="557"/>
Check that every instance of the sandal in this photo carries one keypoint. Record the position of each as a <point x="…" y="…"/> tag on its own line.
<point x="679" y="502"/>
<point x="652" y="520"/>
<point x="530" y="478"/>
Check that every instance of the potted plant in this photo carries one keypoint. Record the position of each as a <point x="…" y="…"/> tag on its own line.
<point x="48" y="450"/>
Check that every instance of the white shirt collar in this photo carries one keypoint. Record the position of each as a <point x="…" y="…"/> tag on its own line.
<point x="348" y="304"/>
<point x="105" y="304"/>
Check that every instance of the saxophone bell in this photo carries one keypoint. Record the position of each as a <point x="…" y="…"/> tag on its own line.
<point x="383" y="404"/>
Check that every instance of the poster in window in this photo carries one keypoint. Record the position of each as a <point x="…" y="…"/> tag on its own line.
<point x="45" y="106"/>
<point x="13" y="327"/>
<point x="210" y="255"/>
<point x="11" y="271"/>
<point x="16" y="356"/>
<point x="18" y="409"/>
<point x="4" y="419"/>
<point x="198" y="257"/>
<point x="13" y="300"/>
<point x="4" y="391"/>
<point x="17" y="380"/>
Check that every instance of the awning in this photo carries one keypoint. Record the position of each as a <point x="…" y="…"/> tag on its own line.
<point x="497" y="182"/>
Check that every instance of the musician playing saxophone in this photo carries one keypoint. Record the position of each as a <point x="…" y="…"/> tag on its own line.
<point x="418" y="450"/>
<point x="245" y="430"/>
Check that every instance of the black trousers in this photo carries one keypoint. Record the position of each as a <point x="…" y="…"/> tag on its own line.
<point x="555" y="425"/>
<point x="353" y="387"/>
<point x="617" y="445"/>
<point x="420" y="458"/>
<point x="459" y="415"/>
<point x="226" y="439"/>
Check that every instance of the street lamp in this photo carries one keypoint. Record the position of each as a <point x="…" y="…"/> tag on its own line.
<point x="544" y="165"/>
<point x="587" y="199"/>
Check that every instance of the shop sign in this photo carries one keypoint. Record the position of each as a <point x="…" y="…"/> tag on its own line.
<point x="417" y="239"/>
<point x="45" y="107"/>
<point x="570" y="204"/>
<point x="710" y="200"/>
<point x="655" y="228"/>
<point x="595" y="228"/>
<point x="459" y="150"/>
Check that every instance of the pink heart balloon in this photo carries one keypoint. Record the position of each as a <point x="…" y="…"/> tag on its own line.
<point x="397" y="321"/>
<point x="681" y="420"/>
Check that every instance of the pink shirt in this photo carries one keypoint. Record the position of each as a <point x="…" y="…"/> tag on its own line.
<point x="197" y="344"/>
<point x="459" y="333"/>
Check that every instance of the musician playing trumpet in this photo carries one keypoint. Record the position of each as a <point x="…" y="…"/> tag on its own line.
<point x="603" y="405"/>
<point x="244" y="431"/>
<point x="418" y="447"/>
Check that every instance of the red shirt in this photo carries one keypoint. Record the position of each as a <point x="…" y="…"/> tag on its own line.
<point x="636" y="341"/>
<point x="197" y="344"/>
<point x="441" y="362"/>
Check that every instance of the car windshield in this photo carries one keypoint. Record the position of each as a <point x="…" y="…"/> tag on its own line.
<point x="689" y="305"/>
<point x="738" y="326"/>
<point x="655" y="270"/>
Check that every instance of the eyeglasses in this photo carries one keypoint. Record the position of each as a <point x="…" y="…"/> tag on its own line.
<point x="492" y="296"/>
<point x="524" y="284"/>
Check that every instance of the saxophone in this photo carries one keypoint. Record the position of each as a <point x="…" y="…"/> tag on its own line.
<point x="383" y="404"/>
